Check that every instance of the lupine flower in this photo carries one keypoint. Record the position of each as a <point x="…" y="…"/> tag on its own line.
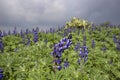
<point x="83" y="54"/>
<point x="0" y="34"/>
<point x="35" y="39"/>
<point x="33" y="30"/>
<point x="27" y="31"/>
<point x="21" y="34"/>
<point x="37" y="29"/>
<point x="1" y="74"/>
<point x="66" y="64"/>
<point x="59" y="67"/>
<point x="59" y="49"/>
<point x="77" y="47"/>
<point x="15" y="31"/>
<point x="58" y="61"/>
<point x="1" y="46"/>
<point x="78" y="61"/>
<point x="114" y="38"/>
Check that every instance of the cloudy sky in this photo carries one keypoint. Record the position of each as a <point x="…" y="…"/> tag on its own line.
<point x="54" y="13"/>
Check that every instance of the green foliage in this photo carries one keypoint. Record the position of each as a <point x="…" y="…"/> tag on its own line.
<point x="34" y="62"/>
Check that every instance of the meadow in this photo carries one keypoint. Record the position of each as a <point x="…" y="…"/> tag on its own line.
<point x="61" y="54"/>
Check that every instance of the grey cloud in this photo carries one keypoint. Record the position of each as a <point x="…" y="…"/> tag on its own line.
<point x="57" y="12"/>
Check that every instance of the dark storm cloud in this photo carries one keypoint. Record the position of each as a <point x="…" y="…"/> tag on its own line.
<point x="57" y="12"/>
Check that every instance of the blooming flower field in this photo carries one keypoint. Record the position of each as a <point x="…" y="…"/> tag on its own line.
<point x="62" y="54"/>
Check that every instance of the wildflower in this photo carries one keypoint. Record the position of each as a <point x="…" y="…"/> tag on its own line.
<point x="21" y="34"/>
<point x="77" y="47"/>
<point x="1" y="46"/>
<point x="1" y="74"/>
<point x="78" y="61"/>
<point x="27" y="31"/>
<point x="59" y="67"/>
<point x="0" y="34"/>
<point x="83" y="54"/>
<point x="15" y="31"/>
<point x="58" y="61"/>
<point x="66" y="64"/>
<point x="35" y="39"/>
<point x="114" y="38"/>
<point x="59" y="49"/>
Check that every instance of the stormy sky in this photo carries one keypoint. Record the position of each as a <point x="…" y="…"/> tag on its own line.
<point x="54" y="13"/>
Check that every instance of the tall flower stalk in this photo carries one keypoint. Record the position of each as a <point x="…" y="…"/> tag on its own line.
<point x="1" y="74"/>
<point x="58" y="50"/>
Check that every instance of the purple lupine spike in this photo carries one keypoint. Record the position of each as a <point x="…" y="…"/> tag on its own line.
<point x="35" y="39"/>
<point x="58" y="54"/>
<point x="61" y="49"/>
<point x="77" y="47"/>
<point x="83" y="53"/>
<point x="61" y="44"/>
<point x="68" y="43"/>
<point x="33" y="30"/>
<point x="114" y="38"/>
<point x="27" y="31"/>
<point x="59" y="67"/>
<point x="80" y="51"/>
<point x="66" y="64"/>
<point x="58" y="50"/>
<point x="58" y="61"/>
<point x="64" y="39"/>
<point x="1" y="74"/>
<point x="21" y="33"/>
<point x="15" y="31"/>
<point x="1" y="34"/>
<point x="1" y="46"/>
<point x="37" y="29"/>
<point x="78" y="61"/>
